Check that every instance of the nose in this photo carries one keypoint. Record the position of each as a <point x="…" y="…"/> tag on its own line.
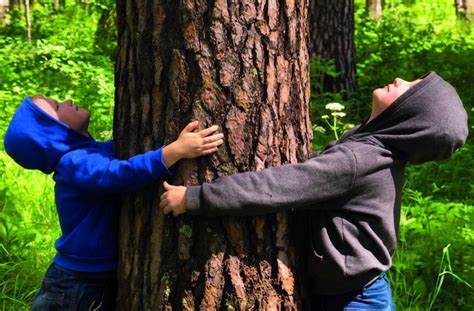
<point x="398" y="81"/>
<point x="68" y="102"/>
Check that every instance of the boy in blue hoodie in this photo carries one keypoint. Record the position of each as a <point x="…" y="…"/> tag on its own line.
<point x="351" y="190"/>
<point x="53" y="137"/>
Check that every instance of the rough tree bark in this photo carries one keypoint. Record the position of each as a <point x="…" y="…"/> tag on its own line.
<point x="244" y="66"/>
<point x="332" y="38"/>
<point x="374" y="8"/>
<point x="465" y="9"/>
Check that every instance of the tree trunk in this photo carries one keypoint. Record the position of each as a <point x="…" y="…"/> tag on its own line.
<point x="332" y="38"/>
<point x="374" y="8"/>
<point x="4" y="4"/>
<point x="242" y="65"/>
<point x="28" y="20"/>
<point x="465" y="9"/>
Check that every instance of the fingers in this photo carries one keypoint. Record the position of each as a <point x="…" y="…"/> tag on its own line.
<point x="212" y="138"/>
<point x="191" y="126"/>
<point x="208" y="131"/>
<point x="163" y="201"/>
<point x="209" y="151"/>
<point x="164" y="204"/>
<point x="167" y="210"/>
<point x="213" y="144"/>
<point x="169" y="200"/>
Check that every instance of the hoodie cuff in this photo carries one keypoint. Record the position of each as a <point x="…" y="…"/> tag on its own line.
<point x="193" y="202"/>
<point x="169" y="170"/>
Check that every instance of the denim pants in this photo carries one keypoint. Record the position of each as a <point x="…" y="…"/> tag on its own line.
<point x="375" y="296"/>
<point x="63" y="289"/>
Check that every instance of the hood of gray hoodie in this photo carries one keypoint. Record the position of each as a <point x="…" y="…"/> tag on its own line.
<point x="426" y="123"/>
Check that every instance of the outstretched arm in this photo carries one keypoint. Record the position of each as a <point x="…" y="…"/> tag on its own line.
<point x="100" y="171"/>
<point x="303" y="185"/>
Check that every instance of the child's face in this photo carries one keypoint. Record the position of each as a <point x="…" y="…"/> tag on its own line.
<point x="384" y="97"/>
<point x="66" y="112"/>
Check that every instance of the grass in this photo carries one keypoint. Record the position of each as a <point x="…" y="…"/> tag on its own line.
<point x="28" y="229"/>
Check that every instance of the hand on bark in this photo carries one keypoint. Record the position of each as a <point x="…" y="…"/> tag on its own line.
<point x="173" y="199"/>
<point x="191" y="144"/>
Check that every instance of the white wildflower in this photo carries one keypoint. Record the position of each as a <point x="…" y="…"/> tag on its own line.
<point x="338" y="114"/>
<point x="334" y="107"/>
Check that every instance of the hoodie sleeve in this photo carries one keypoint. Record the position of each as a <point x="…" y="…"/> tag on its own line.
<point x="100" y="172"/>
<point x="285" y="187"/>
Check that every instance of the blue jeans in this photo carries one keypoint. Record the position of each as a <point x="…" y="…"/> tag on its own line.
<point x="63" y="289"/>
<point x="375" y="296"/>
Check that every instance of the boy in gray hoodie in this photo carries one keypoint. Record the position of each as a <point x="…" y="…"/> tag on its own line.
<point x="352" y="190"/>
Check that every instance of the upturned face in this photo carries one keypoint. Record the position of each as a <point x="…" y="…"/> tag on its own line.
<point x="77" y="118"/>
<point x="384" y="97"/>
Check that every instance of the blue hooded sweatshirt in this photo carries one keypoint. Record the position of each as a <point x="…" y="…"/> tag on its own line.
<point x="88" y="178"/>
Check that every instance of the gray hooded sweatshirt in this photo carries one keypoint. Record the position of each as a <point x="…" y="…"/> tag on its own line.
<point x="352" y="188"/>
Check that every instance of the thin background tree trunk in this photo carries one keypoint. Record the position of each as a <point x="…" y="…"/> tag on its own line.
<point x="374" y="8"/>
<point x="332" y="38"/>
<point x="465" y="9"/>
<point x="4" y="4"/>
<point x="244" y="66"/>
<point x="28" y="20"/>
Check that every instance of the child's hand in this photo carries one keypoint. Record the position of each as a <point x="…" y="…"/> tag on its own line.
<point x="172" y="200"/>
<point x="192" y="144"/>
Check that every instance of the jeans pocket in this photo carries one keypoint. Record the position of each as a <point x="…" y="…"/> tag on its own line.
<point x="95" y="297"/>
<point x="380" y="286"/>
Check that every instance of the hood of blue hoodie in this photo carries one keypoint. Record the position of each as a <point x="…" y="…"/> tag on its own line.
<point x="426" y="123"/>
<point x="36" y="140"/>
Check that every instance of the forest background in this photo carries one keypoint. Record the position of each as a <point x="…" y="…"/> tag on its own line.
<point x="70" y="54"/>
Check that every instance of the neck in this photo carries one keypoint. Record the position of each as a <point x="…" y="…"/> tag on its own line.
<point x="376" y="110"/>
<point x="374" y="114"/>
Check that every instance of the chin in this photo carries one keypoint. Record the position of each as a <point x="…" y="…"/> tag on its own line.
<point x="378" y="94"/>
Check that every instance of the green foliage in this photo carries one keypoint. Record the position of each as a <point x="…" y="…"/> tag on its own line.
<point x="59" y="64"/>
<point x="106" y="34"/>
<point x="426" y="227"/>
<point x="322" y="104"/>
<point x="446" y="180"/>
<point x="63" y="61"/>
<point x="28" y="228"/>
<point x="412" y="40"/>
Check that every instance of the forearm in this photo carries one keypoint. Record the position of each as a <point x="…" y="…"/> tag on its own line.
<point x="101" y="172"/>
